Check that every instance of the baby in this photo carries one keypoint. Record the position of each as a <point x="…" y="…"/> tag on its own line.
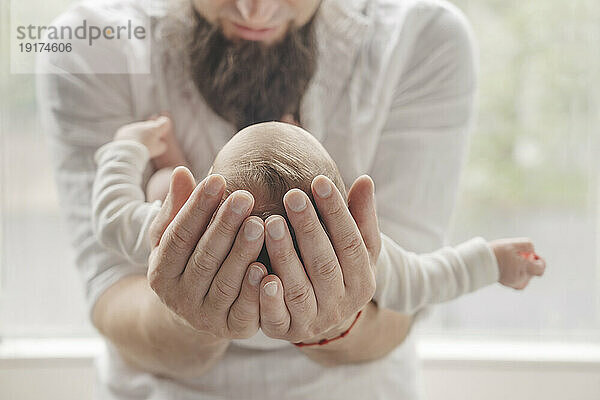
<point x="267" y="160"/>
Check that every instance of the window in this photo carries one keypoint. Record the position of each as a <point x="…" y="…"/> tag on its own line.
<point x="532" y="168"/>
<point x="40" y="291"/>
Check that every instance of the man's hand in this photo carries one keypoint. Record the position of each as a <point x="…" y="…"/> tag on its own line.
<point x="320" y="296"/>
<point x="517" y="262"/>
<point x="199" y="268"/>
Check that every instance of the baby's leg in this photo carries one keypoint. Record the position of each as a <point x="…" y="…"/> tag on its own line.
<point x="158" y="184"/>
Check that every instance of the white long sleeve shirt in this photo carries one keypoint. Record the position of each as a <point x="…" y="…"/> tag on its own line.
<point x="393" y="97"/>
<point x="407" y="281"/>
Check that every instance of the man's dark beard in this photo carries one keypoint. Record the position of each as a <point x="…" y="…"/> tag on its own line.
<point x="247" y="82"/>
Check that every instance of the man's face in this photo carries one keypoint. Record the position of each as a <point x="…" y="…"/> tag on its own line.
<point x="248" y="81"/>
<point x="264" y="21"/>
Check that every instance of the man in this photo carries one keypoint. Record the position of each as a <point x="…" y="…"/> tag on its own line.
<point x="386" y="86"/>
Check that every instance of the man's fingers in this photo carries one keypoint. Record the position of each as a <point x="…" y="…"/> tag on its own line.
<point x="214" y="245"/>
<point x="182" y="234"/>
<point x="318" y="255"/>
<point x="230" y="275"/>
<point x="345" y="236"/>
<point x="361" y="203"/>
<point x="299" y="293"/>
<point x="181" y="187"/>
<point x="244" y="314"/>
<point x="274" y="316"/>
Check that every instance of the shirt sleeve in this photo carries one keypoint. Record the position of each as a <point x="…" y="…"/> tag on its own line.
<point x="417" y="167"/>
<point x="427" y="279"/>
<point x="121" y="217"/>
<point x="79" y="113"/>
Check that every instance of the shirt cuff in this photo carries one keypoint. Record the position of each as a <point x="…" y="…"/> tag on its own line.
<point x="480" y="261"/>
<point x="131" y="151"/>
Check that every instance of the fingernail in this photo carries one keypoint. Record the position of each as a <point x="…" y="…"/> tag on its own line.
<point x="322" y="187"/>
<point x="253" y="230"/>
<point x="255" y="275"/>
<point x="270" y="288"/>
<point x="295" y="200"/>
<point x="213" y="185"/>
<point x="275" y="228"/>
<point x="240" y="203"/>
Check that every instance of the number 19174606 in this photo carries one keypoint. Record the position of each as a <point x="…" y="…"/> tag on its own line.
<point x="39" y="47"/>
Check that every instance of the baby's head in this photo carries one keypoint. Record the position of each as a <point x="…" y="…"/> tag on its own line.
<point x="268" y="159"/>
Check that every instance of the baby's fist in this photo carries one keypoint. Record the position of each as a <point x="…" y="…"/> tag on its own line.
<point x="517" y="261"/>
<point x="151" y="133"/>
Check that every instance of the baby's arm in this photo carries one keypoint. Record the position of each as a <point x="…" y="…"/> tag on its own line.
<point x="408" y="282"/>
<point x="121" y="217"/>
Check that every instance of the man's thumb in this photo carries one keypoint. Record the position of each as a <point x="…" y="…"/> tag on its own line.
<point x="361" y="203"/>
<point x="180" y="189"/>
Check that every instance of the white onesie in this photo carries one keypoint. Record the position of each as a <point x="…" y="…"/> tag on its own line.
<point x="406" y="282"/>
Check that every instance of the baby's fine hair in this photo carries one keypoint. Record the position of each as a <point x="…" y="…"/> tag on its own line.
<point x="282" y="157"/>
<point x="269" y="171"/>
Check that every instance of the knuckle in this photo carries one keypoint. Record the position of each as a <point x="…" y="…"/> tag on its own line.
<point x="247" y="298"/>
<point x="204" y="263"/>
<point x="226" y="227"/>
<point x="353" y="246"/>
<point x="223" y="292"/>
<point x="310" y="226"/>
<point x="284" y="256"/>
<point x="182" y="234"/>
<point x="226" y="288"/>
<point x="276" y="329"/>
<point x="335" y="211"/>
<point x="326" y="267"/>
<point x="175" y="240"/>
<point x="201" y="209"/>
<point x="297" y="295"/>
<point x="241" y="323"/>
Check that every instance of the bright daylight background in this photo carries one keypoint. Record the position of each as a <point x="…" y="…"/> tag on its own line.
<point x="532" y="171"/>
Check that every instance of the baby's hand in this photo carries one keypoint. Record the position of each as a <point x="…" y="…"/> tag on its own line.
<point x="517" y="262"/>
<point x="151" y="133"/>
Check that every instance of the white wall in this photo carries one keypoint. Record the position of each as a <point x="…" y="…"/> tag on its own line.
<point x="450" y="371"/>
<point x="510" y="382"/>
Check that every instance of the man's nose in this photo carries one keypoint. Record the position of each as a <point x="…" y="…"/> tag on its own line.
<point x="257" y="12"/>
